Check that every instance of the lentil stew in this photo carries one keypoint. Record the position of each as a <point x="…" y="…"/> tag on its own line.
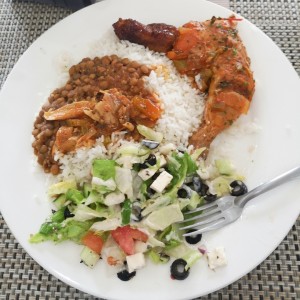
<point x="103" y="95"/>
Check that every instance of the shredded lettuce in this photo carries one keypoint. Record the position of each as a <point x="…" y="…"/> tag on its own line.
<point x="171" y="236"/>
<point x="75" y="196"/>
<point x="58" y="216"/>
<point x="153" y="242"/>
<point x="104" y="169"/>
<point x="157" y="203"/>
<point x="191" y="164"/>
<point x="177" y="167"/>
<point x="94" y="197"/>
<point x="220" y="186"/>
<point x="163" y="217"/>
<point x="114" y="198"/>
<point x="179" y="251"/>
<point x="191" y="257"/>
<point x="150" y="134"/>
<point x="71" y="230"/>
<point x="105" y="203"/>
<point x="194" y="201"/>
<point x="61" y="187"/>
<point x="224" y="166"/>
<point x="157" y="257"/>
<point x="133" y="150"/>
<point x="103" y="186"/>
<point x="83" y="213"/>
<point x="106" y="225"/>
<point x="123" y="178"/>
<point x="174" y="233"/>
<point x="195" y="155"/>
<point x="75" y="230"/>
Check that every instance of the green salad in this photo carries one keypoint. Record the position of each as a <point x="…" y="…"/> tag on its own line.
<point x="128" y="211"/>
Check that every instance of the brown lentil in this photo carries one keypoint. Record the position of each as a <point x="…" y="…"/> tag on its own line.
<point x="54" y="169"/>
<point x="86" y="79"/>
<point x="144" y="69"/>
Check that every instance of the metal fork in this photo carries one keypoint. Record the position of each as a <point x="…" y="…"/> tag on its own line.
<point x="227" y="209"/>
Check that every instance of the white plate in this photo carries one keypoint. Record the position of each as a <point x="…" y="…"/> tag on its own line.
<point x="248" y="242"/>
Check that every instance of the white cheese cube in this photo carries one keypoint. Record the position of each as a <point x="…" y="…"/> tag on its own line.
<point x="135" y="261"/>
<point x="161" y="182"/>
<point x="145" y="174"/>
<point x="162" y="161"/>
<point x="140" y="247"/>
<point x="216" y="258"/>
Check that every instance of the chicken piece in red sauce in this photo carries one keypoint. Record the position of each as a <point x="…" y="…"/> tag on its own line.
<point x="212" y="54"/>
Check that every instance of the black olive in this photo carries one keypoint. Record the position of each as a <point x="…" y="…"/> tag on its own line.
<point x="184" y="192"/>
<point x="193" y="239"/>
<point x="150" y="144"/>
<point x="181" y="149"/>
<point x="197" y="184"/>
<point x="149" y="161"/>
<point x="143" y="166"/>
<point x="150" y="192"/>
<point x="238" y="188"/>
<point x="125" y="275"/>
<point x="136" y="212"/>
<point x="178" y="270"/>
<point x="67" y="213"/>
<point x="210" y="197"/>
<point x="204" y="189"/>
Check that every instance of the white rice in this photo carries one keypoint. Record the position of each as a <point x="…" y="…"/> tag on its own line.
<point x="77" y="165"/>
<point x="182" y="105"/>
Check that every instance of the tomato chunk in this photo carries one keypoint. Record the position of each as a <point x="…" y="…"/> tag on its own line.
<point x="93" y="241"/>
<point x="125" y="237"/>
<point x="144" y="109"/>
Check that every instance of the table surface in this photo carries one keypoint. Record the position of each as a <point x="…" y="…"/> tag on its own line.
<point x="21" y="22"/>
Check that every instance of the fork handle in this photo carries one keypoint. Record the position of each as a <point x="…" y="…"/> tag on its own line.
<point x="267" y="186"/>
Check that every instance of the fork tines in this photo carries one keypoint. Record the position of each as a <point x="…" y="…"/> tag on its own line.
<point x="208" y="216"/>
